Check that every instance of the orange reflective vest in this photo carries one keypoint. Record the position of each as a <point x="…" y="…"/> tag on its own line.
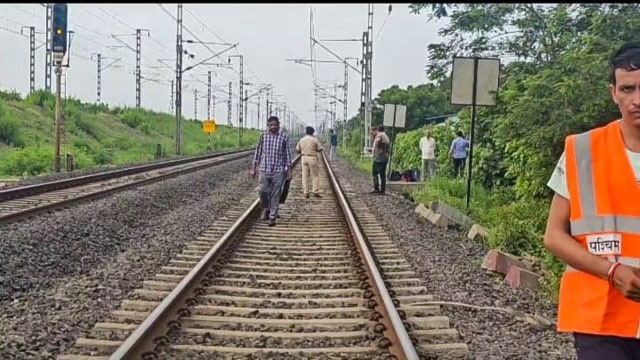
<point x="605" y="219"/>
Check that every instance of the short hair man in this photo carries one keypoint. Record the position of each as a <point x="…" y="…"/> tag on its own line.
<point x="380" y="160"/>
<point x="274" y="158"/>
<point x="594" y="225"/>
<point x="428" y="150"/>
<point x="309" y="148"/>
<point x="458" y="152"/>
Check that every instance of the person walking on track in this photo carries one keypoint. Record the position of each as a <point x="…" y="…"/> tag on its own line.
<point x="594" y="225"/>
<point x="309" y="147"/>
<point x="274" y="158"/>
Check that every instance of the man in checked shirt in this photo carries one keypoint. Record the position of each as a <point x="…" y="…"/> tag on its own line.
<point x="272" y="153"/>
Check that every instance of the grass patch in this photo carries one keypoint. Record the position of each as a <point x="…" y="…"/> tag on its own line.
<point x="96" y="135"/>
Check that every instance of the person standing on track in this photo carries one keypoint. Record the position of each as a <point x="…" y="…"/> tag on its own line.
<point x="333" y="138"/>
<point x="594" y="225"/>
<point x="309" y="148"/>
<point x="274" y="158"/>
<point x="380" y="151"/>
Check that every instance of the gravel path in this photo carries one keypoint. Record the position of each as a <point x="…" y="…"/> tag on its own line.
<point x="62" y="272"/>
<point x="449" y="266"/>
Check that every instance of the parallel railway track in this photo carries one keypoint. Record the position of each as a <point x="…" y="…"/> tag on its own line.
<point x="325" y="283"/>
<point x="21" y="202"/>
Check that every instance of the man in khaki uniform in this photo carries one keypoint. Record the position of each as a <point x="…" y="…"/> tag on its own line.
<point x="309" y="147"/>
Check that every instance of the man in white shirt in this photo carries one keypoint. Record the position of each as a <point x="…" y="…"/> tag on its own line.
<point x="428" y="149"/>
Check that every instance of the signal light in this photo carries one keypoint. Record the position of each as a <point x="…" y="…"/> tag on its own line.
<point x="59" y="26"/>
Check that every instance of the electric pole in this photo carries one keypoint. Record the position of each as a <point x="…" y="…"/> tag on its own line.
<point x="32" y="57"/>
<point x="195" y="104"/>
<point x="369" y="75"/>
<point x="240" y="99"/>
<point x="245" y="101"/>
<point x="171" y="101"/>
<point x="363" y="89"/>
<point x="178" y="78"/>
<point x="48" y="65"/>
<point x="229" y="108"/>
<point x="258" y="117"/>
<point x="99" y="77"/>
<point x="209" y="95"/>
<point x="344" y="102"/>
<point x="138" y="58"/>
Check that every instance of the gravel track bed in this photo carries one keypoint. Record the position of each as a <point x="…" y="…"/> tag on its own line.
<point x="62" y="272"/>
<point x="264" y="355"/>
<point x="270" y="342"/>
<point x="448" y="265"/>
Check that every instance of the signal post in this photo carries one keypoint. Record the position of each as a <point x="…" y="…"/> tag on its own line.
<point x="59" y="49"/>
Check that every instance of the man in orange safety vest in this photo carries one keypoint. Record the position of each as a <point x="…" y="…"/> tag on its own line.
<point x="594" y="225"/>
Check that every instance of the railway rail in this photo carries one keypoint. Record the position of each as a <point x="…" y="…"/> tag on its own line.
<point x="325" y="283"/>
<point x="20" y="202"/>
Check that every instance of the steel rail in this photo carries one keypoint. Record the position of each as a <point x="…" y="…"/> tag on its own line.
<point x="217" y="160"/>
<point x="401" y="344"/>
<point x="142" y="341"/>
<point x="36" y="189"/>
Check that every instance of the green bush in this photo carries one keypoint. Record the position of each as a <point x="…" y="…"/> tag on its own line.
<point x="10" y="133"/>
<point x="26" y="162"/>
<point x="133" y="119"/>
<point x="10" y="95"/>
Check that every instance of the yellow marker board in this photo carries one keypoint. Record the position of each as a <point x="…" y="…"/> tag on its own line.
<point x="209" y="126"/>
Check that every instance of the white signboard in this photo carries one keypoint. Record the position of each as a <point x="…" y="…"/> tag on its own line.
<point x="400" y="112"/>
<point x="389" y="111"/>
<point x="462" y="81"/>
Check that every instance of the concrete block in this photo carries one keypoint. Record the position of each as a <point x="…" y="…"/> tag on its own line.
<point x="501" y="262"/>
<point x="518" y="277"/>
<point x="478" y="232"/>
<point x="437" y="219"/>
<point x="453" y="214"/>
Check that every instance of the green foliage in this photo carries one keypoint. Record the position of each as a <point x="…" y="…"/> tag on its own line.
<point x="42" y="98"/>
<point x="26" y="162"/>
<point x="10" y="95"/>
<point x="406" y="148"/>
<point x="96" y="135"/>
<point x="9" y="128"/>
<point x="553" y="82"/>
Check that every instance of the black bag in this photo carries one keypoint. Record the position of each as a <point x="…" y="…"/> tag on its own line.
<point x="395" y="175"/>
<point x="285" y="191"/>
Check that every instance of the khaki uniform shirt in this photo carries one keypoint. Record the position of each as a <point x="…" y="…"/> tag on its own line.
<point x="309" y="146"/>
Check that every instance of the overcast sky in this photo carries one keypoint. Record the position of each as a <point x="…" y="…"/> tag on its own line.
<point x="267" y="35"/>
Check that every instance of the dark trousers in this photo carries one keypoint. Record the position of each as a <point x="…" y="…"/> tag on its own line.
<point x="599" y="347"/>
<point x="379" y="168"/>
<point x="270" y="191"/>
<point x="458" y="167"/>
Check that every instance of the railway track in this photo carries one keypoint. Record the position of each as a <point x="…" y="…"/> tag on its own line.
<point x="313" y="287"/>
<point x="25" y="201"/>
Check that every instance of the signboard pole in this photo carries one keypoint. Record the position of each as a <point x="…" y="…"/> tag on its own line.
<point x="473" y="125"/>
<point x="474" y="81"/>
<point x="393" y="139"/>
